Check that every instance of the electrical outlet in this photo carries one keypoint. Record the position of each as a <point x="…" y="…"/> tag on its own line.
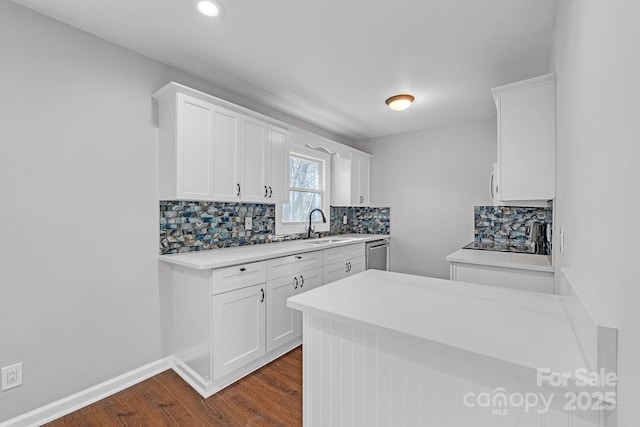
<point x="248" y="223"/>
<point x="344" y="220"/>
<point x="11" y="376"/>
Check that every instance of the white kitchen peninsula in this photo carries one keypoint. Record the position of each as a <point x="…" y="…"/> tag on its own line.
<point x="382" y="348"/>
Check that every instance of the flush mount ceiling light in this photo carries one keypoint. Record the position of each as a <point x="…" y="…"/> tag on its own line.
<point x="208" y="8"/>
<point x="400" y="102"/>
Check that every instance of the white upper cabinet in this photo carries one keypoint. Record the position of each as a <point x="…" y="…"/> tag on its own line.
<point x="208" y="152"/>
<point x="277" y="171"/>
<point x="526" y="140"/>
<point x="226" y="156"/>
<point x="254" y="138"/>
<point x="350" y="180"/>
<point x="198" y="149"/>
<point x="264" y="162"/>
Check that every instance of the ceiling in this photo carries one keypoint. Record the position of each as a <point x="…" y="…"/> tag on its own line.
<point x="334" y="62"/>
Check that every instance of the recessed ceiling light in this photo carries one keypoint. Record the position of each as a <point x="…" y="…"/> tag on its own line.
<point x="400" y="102"/>
<point x="208" y="8"/>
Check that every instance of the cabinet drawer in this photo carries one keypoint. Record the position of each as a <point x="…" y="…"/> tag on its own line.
<point x="342" y="253"/>
<point x="527" y="280"/>
<point x="279" y="267"/>
<point x="236" y="277"/>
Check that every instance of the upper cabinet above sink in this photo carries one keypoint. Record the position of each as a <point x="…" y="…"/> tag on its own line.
<point x="526" y="141"/>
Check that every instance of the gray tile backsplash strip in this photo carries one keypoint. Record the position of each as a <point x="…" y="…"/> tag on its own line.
<point x="509" y="224"/>
<point x="360" y="220"/>
<point x="188" y="226"/>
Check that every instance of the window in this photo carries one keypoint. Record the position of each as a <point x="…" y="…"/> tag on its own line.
<point x="308" y="184"/>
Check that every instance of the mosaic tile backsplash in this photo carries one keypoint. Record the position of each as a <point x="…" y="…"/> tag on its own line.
<point x="509" y="224"/>
<point x="188" y="226"/>
<point x="360" y="220"/>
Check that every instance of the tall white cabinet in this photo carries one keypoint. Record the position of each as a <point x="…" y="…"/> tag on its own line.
<point x="208" y="151"/>
<point x="350" y="180"/>
<point x="526" y="140"/>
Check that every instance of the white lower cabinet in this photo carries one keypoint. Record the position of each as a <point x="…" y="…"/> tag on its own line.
<point x="283" y="323"/>
<point x="281" y="320"/>
<point x="288" y="276"/>
<point x="504" y="277"/>
<point x="230" y="321"/>
<point x="343" y="261"/>
<point x="238" y="329"/>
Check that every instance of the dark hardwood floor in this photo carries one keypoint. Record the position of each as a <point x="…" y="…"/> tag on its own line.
<point x="271" y="396"/>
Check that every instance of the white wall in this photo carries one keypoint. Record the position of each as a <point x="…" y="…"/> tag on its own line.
<point x="431" y="179"/>
<point x="80" y="301"/>
<point x="598" y="179"/>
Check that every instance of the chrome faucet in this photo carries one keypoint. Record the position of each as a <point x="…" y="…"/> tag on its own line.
<point x="312" y="230"/>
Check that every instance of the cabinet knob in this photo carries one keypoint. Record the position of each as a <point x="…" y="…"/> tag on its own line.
<point x="298" y="256"/>
<point x="243" y="269"/>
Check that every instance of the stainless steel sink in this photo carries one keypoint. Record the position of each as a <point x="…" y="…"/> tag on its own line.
<point x="326" y="241"/>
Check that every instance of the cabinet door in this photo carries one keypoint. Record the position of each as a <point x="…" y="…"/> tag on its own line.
<point x="226" y="156"/>
<point x="309" y="279"/>
<point x="194" y="152"/>
<point x="254" y="143"/>
<point x="278" y="166"/>
<point x="281" y="320"/>
<point x="333" y="272"/>
<point x="238" y="329"/>
<point x="340" y="181"/>
<point x="355" y="266"/>
<point x="526" y="142"/>
<point x="360" y="180"/>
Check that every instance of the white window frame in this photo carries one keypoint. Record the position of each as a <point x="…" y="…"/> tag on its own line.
<point x="325" y="188"/>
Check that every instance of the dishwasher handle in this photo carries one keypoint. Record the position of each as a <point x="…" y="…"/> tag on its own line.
<point x="380" y="246"/>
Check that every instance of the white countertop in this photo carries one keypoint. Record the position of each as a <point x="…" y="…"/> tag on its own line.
<point x="218" y="258"/>
<point x="502" y="259"/>
<point x="529" y="329"/>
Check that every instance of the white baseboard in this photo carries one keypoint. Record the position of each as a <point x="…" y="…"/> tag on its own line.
<point x="86" y="397"/>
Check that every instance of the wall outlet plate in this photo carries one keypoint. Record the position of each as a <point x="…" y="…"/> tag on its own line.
<point x="344" y="220"/>
<point x="248" y="223"/>
<point x="11" y="376"/>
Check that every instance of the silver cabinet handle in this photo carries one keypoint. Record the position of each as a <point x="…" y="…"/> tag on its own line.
<point x="491" y="184"/>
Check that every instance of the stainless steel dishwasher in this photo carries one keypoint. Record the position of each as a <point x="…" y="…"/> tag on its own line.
<point x="378" y="254"/>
